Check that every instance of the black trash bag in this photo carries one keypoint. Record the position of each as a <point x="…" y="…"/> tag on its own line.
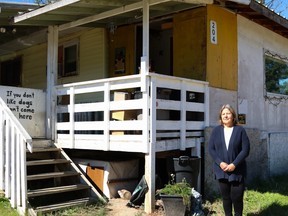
<point x="138" y="195"/>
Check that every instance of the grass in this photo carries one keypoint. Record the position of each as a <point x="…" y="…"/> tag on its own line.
<point x="263" y="198"/>
<point x="5" y="208"/>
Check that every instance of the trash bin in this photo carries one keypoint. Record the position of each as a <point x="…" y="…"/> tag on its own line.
<point x="188" y="168"/>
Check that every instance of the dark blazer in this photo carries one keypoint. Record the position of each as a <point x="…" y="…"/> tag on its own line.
<point x="238" y="150"/>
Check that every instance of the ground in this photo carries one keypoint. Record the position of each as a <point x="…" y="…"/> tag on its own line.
<point x="117" y="207"/>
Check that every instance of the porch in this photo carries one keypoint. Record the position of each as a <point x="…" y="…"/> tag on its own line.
<point x="136" y="114"/>
<point x="116" y="114"/>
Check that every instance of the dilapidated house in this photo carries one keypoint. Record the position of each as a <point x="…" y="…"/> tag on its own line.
<point x="105" y="92"/>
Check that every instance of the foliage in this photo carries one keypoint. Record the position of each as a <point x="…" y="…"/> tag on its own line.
<point x="180" y="189"/>
<point x="5" y="208"/>
<point x="276" y="75"/>
<point x="262" y="198"/>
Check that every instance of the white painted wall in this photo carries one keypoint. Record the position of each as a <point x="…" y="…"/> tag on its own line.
<point x="28" y="105"/>
<point x="219" y="97"/>
<point x="253" y="39"/>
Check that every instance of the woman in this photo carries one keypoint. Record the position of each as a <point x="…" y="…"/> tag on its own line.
<point x="229" y="146"/>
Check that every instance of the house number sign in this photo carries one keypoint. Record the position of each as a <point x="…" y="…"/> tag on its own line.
<point x="213" y="32"/>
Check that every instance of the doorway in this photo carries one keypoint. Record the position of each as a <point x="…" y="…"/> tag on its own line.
<point x="161" y="47"/>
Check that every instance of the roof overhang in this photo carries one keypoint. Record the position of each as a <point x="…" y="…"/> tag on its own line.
<point x="100" y="13"/>
<point x="260" y="14"/>
<point x="68" y="14"/>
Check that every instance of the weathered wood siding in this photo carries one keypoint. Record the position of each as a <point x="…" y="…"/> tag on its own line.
<point x="93" y="63"/>
<point x="92" y="55"/>
<point x="222" y="62"/>
<point x="189" y="44"/>
<point x="123" y="37"/>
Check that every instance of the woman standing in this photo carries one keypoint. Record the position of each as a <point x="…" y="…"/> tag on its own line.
<point x="229" y="145"/>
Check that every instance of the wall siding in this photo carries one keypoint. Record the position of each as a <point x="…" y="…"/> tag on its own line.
<point x="189" y="47"/>
<point x="92" y="65"/>
<point x="222" y="57"/>
<point x="123" y="37"/>
<point x="252" y="40"/>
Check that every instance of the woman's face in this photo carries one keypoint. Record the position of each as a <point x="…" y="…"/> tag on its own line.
<point x="227" y="118"/>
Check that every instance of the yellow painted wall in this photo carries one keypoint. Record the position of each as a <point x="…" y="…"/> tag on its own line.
<point x="93" y="59"/>
<point x="222" y="57"/>
<point x="189" y="44"/>
<point x="93" y="55"/>
<point x="123" y="37"/>
<point x="33" y="65"/>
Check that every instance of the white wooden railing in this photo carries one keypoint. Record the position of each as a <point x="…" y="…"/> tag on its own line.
<point x="113" y="114"/>
<point x="13" y="142"/>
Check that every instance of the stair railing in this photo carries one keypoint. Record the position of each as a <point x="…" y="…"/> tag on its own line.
<point x="14" y="140"/>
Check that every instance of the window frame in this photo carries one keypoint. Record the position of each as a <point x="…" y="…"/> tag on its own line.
<point x="62" y="58"/>
<point x="277" y="57"/>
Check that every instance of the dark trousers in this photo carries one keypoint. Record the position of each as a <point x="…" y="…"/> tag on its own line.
<point x="232" y="195"/>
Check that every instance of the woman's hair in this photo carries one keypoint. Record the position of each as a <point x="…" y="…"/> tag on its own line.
<point x="230" y="108"/>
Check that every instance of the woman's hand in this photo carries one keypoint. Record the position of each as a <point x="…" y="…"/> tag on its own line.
<point x="227" y="167"/>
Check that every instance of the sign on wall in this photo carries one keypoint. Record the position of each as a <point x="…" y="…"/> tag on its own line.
<point x="213" y="32"/>
<point x="29" y="106"/>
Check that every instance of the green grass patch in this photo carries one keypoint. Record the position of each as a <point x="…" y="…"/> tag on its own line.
<point x="5" y="208"/>
<point x="262" y="198"/>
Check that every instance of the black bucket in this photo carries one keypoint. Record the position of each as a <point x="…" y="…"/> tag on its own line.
<point x="187" y="168"/>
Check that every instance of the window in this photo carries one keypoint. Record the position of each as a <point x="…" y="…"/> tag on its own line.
<point x="68" y="59"/>
<point x="276" y="73"/>
<point x="11" y="72"/>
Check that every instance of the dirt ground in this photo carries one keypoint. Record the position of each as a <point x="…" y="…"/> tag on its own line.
<point x="117" y="207"/>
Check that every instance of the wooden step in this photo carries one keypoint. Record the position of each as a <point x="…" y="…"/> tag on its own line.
<point x="51" y="175"/>
<point x="44" y="149"/>
<point x="46" y="162"/>
<point x="54" y="190"/>
<point x="59" y="206"/>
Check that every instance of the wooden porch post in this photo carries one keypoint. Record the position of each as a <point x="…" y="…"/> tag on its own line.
<point x="52" y="56"/>
<point x="150" y="156"/>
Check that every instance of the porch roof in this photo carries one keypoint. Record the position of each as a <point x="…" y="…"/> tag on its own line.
<point x="101" y="13"/>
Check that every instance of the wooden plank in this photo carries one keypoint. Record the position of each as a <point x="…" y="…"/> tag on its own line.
<point x="46" y="162"/>
<point x="54" y="190"/>
<point x="44" y="150"/>
<point x="58" y="206"/>
<point x="51" y="175"/>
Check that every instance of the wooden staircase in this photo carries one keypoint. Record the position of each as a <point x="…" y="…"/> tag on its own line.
<point x="54" y="182"/>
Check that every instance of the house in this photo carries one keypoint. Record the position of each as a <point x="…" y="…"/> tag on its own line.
<point x="143" y="80"/>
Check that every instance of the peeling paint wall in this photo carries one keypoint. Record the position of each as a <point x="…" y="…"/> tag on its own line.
<point x="252" y="41"/>
<point x="278" y="151"/>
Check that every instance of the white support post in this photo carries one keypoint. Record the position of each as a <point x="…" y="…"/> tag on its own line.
<point x="23" y="173"/>
<point x="71" y="117"/>
<point x="144" y="67"/>
<point x="13" y="168"/>
<point x="7" y="159"/>
<point x="2" y="151"/>
<point x="52" y="67"/>
<point x="18" y="169"/>
<point x="107" y="114"/>
<point x="150" y="158"/>
<point x="183" y="117"/>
